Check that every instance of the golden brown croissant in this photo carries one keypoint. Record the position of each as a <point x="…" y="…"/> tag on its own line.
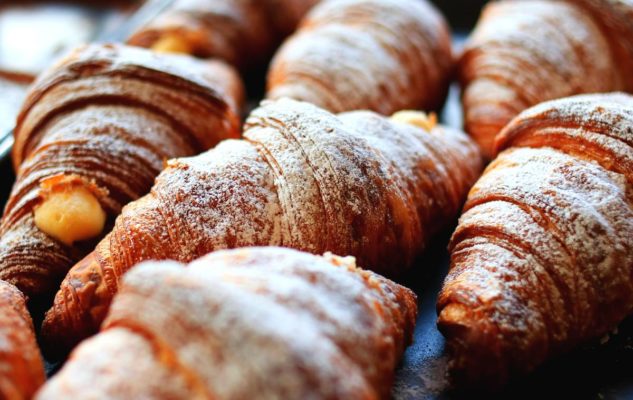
<point x="92" y="136"/>
<point x="542" y="259"/>
<point x="241" y="32"/>
<point x="381" y="55"/>
<point x="357" y="184"/>
<point x="526" y="52"/>
<point x="21" y="367"/>
<point x="265" y="323"/>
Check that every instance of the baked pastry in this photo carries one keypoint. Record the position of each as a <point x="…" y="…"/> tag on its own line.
<point x="266" y="323"/>
<point x="21" y="367"/>
<point x="380" y="55"/>
<point x="356" y="184"/>
<point x="526" y="52"/>
<point x="542" y="259"/>
<point x="92" y="136"/>
<point x="241" y="32"/>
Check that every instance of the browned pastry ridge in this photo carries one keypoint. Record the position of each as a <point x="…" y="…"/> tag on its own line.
<point x="93" y="134"/>
<point x="357" y="184"/>
<point x="525" y="52"/>
<point x="21" y="367"/>
<point x="542" y="259"/>
<point x="242" y="32"/>
<point x="380" y="55"/>
<point x="264" y="323"/>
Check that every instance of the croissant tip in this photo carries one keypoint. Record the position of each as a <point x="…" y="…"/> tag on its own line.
<point x="474" y="363"/>
<point x="71" y="318"/>
<point x="51" y="339"/>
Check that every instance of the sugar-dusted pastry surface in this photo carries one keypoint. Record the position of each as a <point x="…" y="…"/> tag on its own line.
<point x="542" y="258"/>
<point x="526" y="52"/>
<point x="380" y="55"/>
<point x="263" y="323"/>
<point x="92" y="135"/>
<point x="357" y="184"/>
<point x="21" y="367"/>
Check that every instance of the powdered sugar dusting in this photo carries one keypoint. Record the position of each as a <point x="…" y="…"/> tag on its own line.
<point x="21" y="368"/>
<point x="107" y="116"/>
<point x="542" y="258"/>
<point x="229" y="322"/>
<point x="525" y="52"/>
<point x="381" y="55"/>
<point x="302" y="178"/>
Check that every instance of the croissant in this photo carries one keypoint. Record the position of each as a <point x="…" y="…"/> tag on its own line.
<point x="241" y="32"/>
<point x="525" y="52"/>
<point x="356" y="184"/>
<point x="92" y="136"/>
<point x="542" y="258"/>
<point x="21" y="368"/>
<point x="381" y="55"/>
<point x="265" y="323"/>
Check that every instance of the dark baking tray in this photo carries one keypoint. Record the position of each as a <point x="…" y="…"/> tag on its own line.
<point x="601" y="370"/>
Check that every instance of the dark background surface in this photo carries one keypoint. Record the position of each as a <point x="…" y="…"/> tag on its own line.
<point x="461" y="14"/>
<point x="596" y="371"/>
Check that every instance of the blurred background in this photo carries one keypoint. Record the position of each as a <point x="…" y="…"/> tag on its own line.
<point x="33" y="33"/>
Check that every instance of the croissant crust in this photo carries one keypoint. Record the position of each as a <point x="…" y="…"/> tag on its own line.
<point x="542" y="258"/>
<point x="105" y="118"/>
<point x="241" y="32"/>
<point x="303" y="178"/>
<point x="525" y="52"/>
<point x="21" y="367"/>
<point x="380" y="55"/>
<point x="249" y="323"/>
